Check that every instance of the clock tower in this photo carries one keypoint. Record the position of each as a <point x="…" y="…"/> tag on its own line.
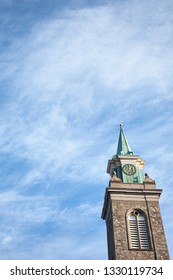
<point x="131" y="209"/>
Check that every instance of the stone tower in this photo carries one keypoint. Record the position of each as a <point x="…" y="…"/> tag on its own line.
<point x="131" y="209"/>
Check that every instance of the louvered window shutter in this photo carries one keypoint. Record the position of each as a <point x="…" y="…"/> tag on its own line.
<point x="143" y="234"/>
<point x="134" y="239"/>
<point x="138" y="232"/>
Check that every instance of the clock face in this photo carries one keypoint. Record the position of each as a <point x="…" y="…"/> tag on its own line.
<point x="129" y="169"/>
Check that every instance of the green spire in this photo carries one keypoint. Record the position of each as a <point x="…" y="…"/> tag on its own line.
<point x="123" y="146"/>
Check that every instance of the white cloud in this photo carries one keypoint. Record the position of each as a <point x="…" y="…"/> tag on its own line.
<point x="25" y="218"/>
<point x="70" y="81"/>
<point x="66" y="69"/>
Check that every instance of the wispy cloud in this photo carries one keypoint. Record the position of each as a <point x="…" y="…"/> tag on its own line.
<point x="66" y="83"/>
<point x="34" y="221"/>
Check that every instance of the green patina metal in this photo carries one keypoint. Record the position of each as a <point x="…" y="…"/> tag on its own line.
<point x="123" y="146"/>
<point x="124" y="152"/>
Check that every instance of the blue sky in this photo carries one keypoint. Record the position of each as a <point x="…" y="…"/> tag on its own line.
<point x="70" y="72"/>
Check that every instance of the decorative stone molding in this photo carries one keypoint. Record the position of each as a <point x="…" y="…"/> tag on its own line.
<point x="148" y="180"/>
<point x="114" y="178"/>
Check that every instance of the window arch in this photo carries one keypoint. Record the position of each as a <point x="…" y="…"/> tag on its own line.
<point x="138" y="230"/>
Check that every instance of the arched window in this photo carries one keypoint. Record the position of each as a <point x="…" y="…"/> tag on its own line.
<point x="138" y="230"/>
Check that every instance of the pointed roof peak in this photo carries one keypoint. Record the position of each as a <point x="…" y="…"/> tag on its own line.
<point x="123" y="145"/>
